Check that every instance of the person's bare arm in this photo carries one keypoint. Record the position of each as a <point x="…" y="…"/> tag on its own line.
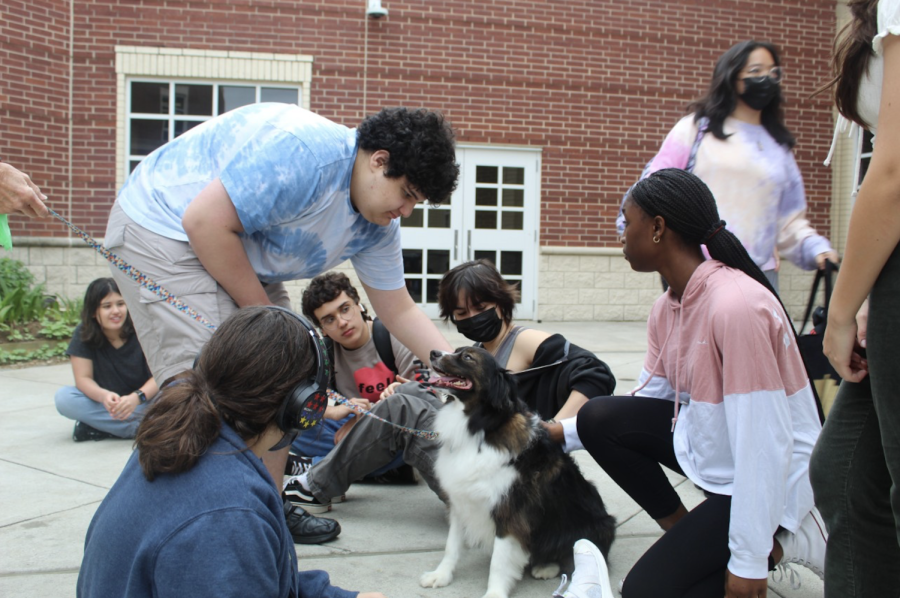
<point x="874" y="226"/>
<point x="407" y="322"/>
<point x="212" y="226"/>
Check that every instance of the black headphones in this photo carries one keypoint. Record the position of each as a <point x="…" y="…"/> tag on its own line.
<point x="304" y="406"/>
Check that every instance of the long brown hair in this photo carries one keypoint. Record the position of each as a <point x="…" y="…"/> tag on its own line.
<point x="91" y="332"/>
<point x="245" y="371"/>
<point x="852" y="50"/>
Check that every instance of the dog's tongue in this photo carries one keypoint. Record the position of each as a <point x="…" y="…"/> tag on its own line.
<point x="449" y="382"/>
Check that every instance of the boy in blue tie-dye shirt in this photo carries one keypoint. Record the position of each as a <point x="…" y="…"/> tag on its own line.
<point x="224" y="214"/>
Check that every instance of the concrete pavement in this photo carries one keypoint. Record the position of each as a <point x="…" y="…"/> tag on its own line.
<point x="51" y="486"/>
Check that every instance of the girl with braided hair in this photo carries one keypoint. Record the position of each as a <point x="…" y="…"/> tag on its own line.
<point x="723" y="399"/>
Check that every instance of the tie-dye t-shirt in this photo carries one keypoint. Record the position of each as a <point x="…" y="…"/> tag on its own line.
<point x="757" y="186"/>
<point x="287" y="172"/>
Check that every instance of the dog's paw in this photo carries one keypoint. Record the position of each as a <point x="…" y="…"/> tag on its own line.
<point x="548" y="571"/>
<point x="436" y="579"/>
<point x="495" y="594"/>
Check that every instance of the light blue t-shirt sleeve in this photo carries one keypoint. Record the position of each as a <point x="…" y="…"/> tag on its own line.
<point x="380" y="266"/>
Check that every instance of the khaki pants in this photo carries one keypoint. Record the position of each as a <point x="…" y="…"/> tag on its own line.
<point x="170" y="339"/>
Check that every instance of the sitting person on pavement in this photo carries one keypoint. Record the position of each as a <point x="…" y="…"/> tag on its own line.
<point x="367" y="360"/>
<point x="194" y="512"/>
<point x="555" y="378"/>
<point x="112" y="379"/>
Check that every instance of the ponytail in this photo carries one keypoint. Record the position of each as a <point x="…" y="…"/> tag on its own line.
<point x="178" y="428"/>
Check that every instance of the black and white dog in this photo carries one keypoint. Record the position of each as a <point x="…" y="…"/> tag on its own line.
<point x="509" y="486"/>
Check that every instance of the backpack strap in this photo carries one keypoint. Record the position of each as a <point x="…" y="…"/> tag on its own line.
<point x="383" y="345"/>
<point x="329" y="348"/>
<point x="702" y="126"/>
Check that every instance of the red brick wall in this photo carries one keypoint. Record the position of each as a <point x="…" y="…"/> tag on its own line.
<point x="595" y="83"/>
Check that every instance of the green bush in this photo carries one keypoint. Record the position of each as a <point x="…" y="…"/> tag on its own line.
<point x="13" y="275"/>
<point x="20" y="302"/>
<point x="45" y="352"/>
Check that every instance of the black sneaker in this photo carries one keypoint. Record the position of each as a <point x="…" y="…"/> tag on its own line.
<point x="308" y="529"/>
<point x="297" y="465"/>
<point x="84" y="432"/>
<point x="294" y="492"/>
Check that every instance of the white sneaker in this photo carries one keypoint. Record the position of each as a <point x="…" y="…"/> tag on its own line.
<point x="806" y="547"/>
<point x="591" y="577"/>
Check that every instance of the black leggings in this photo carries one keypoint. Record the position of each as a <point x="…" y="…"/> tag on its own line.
<point x="630" y="437"/>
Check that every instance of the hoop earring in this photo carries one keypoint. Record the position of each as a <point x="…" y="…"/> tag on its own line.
<point x="656" y="239"/>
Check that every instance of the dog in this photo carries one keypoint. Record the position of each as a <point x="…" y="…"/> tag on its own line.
<point x="509" y="486"/>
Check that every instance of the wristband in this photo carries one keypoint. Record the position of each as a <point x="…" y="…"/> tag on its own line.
<point x="141" y="396"/>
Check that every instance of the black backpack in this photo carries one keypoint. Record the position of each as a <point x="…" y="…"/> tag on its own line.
<point x="383" y="346"/>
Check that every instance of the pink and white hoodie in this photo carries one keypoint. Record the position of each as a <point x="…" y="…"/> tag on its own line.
<point x="748" y="420"/>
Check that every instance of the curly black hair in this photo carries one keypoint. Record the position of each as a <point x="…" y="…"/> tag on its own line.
<point x="421" y="146"/>
<point x="324" y="288"/>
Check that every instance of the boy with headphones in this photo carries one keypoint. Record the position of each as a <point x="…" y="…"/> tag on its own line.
<point x="223" y="214"/>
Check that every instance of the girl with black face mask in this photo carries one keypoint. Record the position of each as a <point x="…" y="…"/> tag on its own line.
<point x="555" y="378"/>
<point x="741" y="149"/>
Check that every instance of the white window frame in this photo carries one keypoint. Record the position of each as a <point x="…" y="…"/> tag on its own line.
<point x="206" y="67"/>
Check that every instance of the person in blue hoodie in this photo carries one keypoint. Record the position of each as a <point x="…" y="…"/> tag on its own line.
<point x="194" y="512"/>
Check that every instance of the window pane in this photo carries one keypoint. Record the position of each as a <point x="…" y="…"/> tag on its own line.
<point x="485" y="196"/>
<point x="485" y="174"/>
<point x="414" y="286"/>
<point x="438" y="218"/>
<point x="415" y="219"/>
<point x="185" y="125"/>
<point x="513" y="176"/>
<point x="278" y="94"/>
<point x="511" y="263"/>
<point x="513" y="220"/>
<point x="193" y="99"/>
<point x="513" y="198"/>
<point x="150" y="98"/>
<point x="486" y="255"/>
<point x="485" y="219"/>
<point x="233" y="96"/>
<point x="438" y="261"/>
<point x="432" y="295"/>
<point x="412" y="261"/>
<point x="132" y="165"/>
<point x="147" y="135"/>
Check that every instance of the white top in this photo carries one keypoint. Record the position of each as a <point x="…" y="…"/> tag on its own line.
<point x="870" y="89"/>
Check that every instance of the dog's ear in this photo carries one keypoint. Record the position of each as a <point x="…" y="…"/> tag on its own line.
<point x="502" y="391"/>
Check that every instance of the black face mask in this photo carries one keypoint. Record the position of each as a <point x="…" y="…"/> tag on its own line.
<point x="759" y="91"/>
<point x="481" y="328"/>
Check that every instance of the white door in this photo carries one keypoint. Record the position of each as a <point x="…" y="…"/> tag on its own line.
<point x="492" y="215"/>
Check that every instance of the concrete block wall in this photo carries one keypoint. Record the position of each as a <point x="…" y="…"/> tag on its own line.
<point x="596" y="286"/>
<point x="600" y="285"/>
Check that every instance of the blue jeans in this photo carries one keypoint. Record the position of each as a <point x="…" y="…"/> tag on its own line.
<point x="855" y="467"/>
<point x="74" y="404"/>
<point x="319" y="441"/>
